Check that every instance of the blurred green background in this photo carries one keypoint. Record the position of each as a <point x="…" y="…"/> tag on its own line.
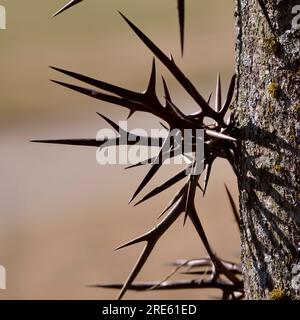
<point x="61" y="214"/>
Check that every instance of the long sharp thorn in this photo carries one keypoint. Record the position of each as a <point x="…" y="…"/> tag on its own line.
<point x="199" y="228"/>
<point x="137" y="268"/>
<point x="67" y="6"/>
<point x="154" y="168"/>
<point x="146" y="161"/>
<point x="209" y="98"/>
<point x="215" y="260"/>
<point x="187" y="204"/>
<point x="218" y="101"/>
<point x="73" y="142"/>
<point x="164" y="126"/>
<point x="151" y="238"/>
<point x="132" y="242"/>
<point x="131" y="112"/>
<point x="174" y="285"/>
<point x="197" y="114"/>
<point x="233" y="207"/>
<point x="166" y="90"/>
<point x="148" y="177"/>
<point x="229" y="96"/>
<point x="230" y="158"/>
<point x="141" y="163"/>
<point x="103" y="97"/>
<point x="199" y="186"/>
<point x="178" y="195"/>
<point x="113" y="124"/>
<point x="176" y="110"/>
<point x="124" y="93"/>
<point x="151" y="89"/>
<point x="169" y="183"/>
<point x="181" y="15"/>
<point x="93" y="142"/>
<point x="98" y="143"/>
<point x="172" y="67"/>
<point x="191" y="191"/>
<point x="133" y="166"/>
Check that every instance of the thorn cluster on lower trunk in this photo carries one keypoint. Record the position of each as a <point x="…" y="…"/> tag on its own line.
<point x="219" y="142"/>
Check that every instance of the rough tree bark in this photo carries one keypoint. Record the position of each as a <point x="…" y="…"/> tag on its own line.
<point x="267" y="115"/>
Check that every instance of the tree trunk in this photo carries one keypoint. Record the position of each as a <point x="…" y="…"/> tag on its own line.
<point x="267" y="115"/>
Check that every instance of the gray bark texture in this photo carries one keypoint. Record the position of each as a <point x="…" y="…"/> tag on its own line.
<point x="266" y="112"/>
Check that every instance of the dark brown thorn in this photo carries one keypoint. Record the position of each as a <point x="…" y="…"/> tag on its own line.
<point x="229" y="96"/>
<point x="67" y="6"/>
<point x="226" y="295"/>
<point x="121" y="92"/>
<point x="230" y="158"/>
<point x="169" y="183"/>
<point x="218" y="267"/>
<point x="174" y="200"/>
<point x="104" y="97"/>
<point x="73" y="142"/>
<point x="143" y="141"/>
<point x="181" y="15"/>
<point x="209" y="98"/>
<point x="166" y="90"/>
<point x="176" y="285"/>
<point x="131" y="112"/>
<point x="198" y="226"/>
<point x="137" y="268"/>
<point x="164" y="126"/>
<point x="142" y="238"/>
<point x="233" y="207"/>
<point x="112" y="124"/>
<point x="218" y="102"/>
<point x="177" y="73"/>
<point x="151" y="89"/>
<point x="141" y="163"/>
<point x="150" y="160"/>
<point x="190" y="197"/>
<point x="134" y="101"/>
<point x="148" y="177"/>
<point x="154" y="168"/>
<point x="151" y="239"/>
<point x="207" y="175"/>
<point x="176" y="110"/>
<point x="199" y="186"/>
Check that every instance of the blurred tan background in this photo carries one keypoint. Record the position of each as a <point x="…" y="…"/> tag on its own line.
<point x="61" y="214"/>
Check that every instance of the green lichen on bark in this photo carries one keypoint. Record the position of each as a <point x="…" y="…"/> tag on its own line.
<point x="271" y="45"/>
<point x="273" y="89"/>
<point x="268" y="89"/>
<point x="278" y="294"/>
